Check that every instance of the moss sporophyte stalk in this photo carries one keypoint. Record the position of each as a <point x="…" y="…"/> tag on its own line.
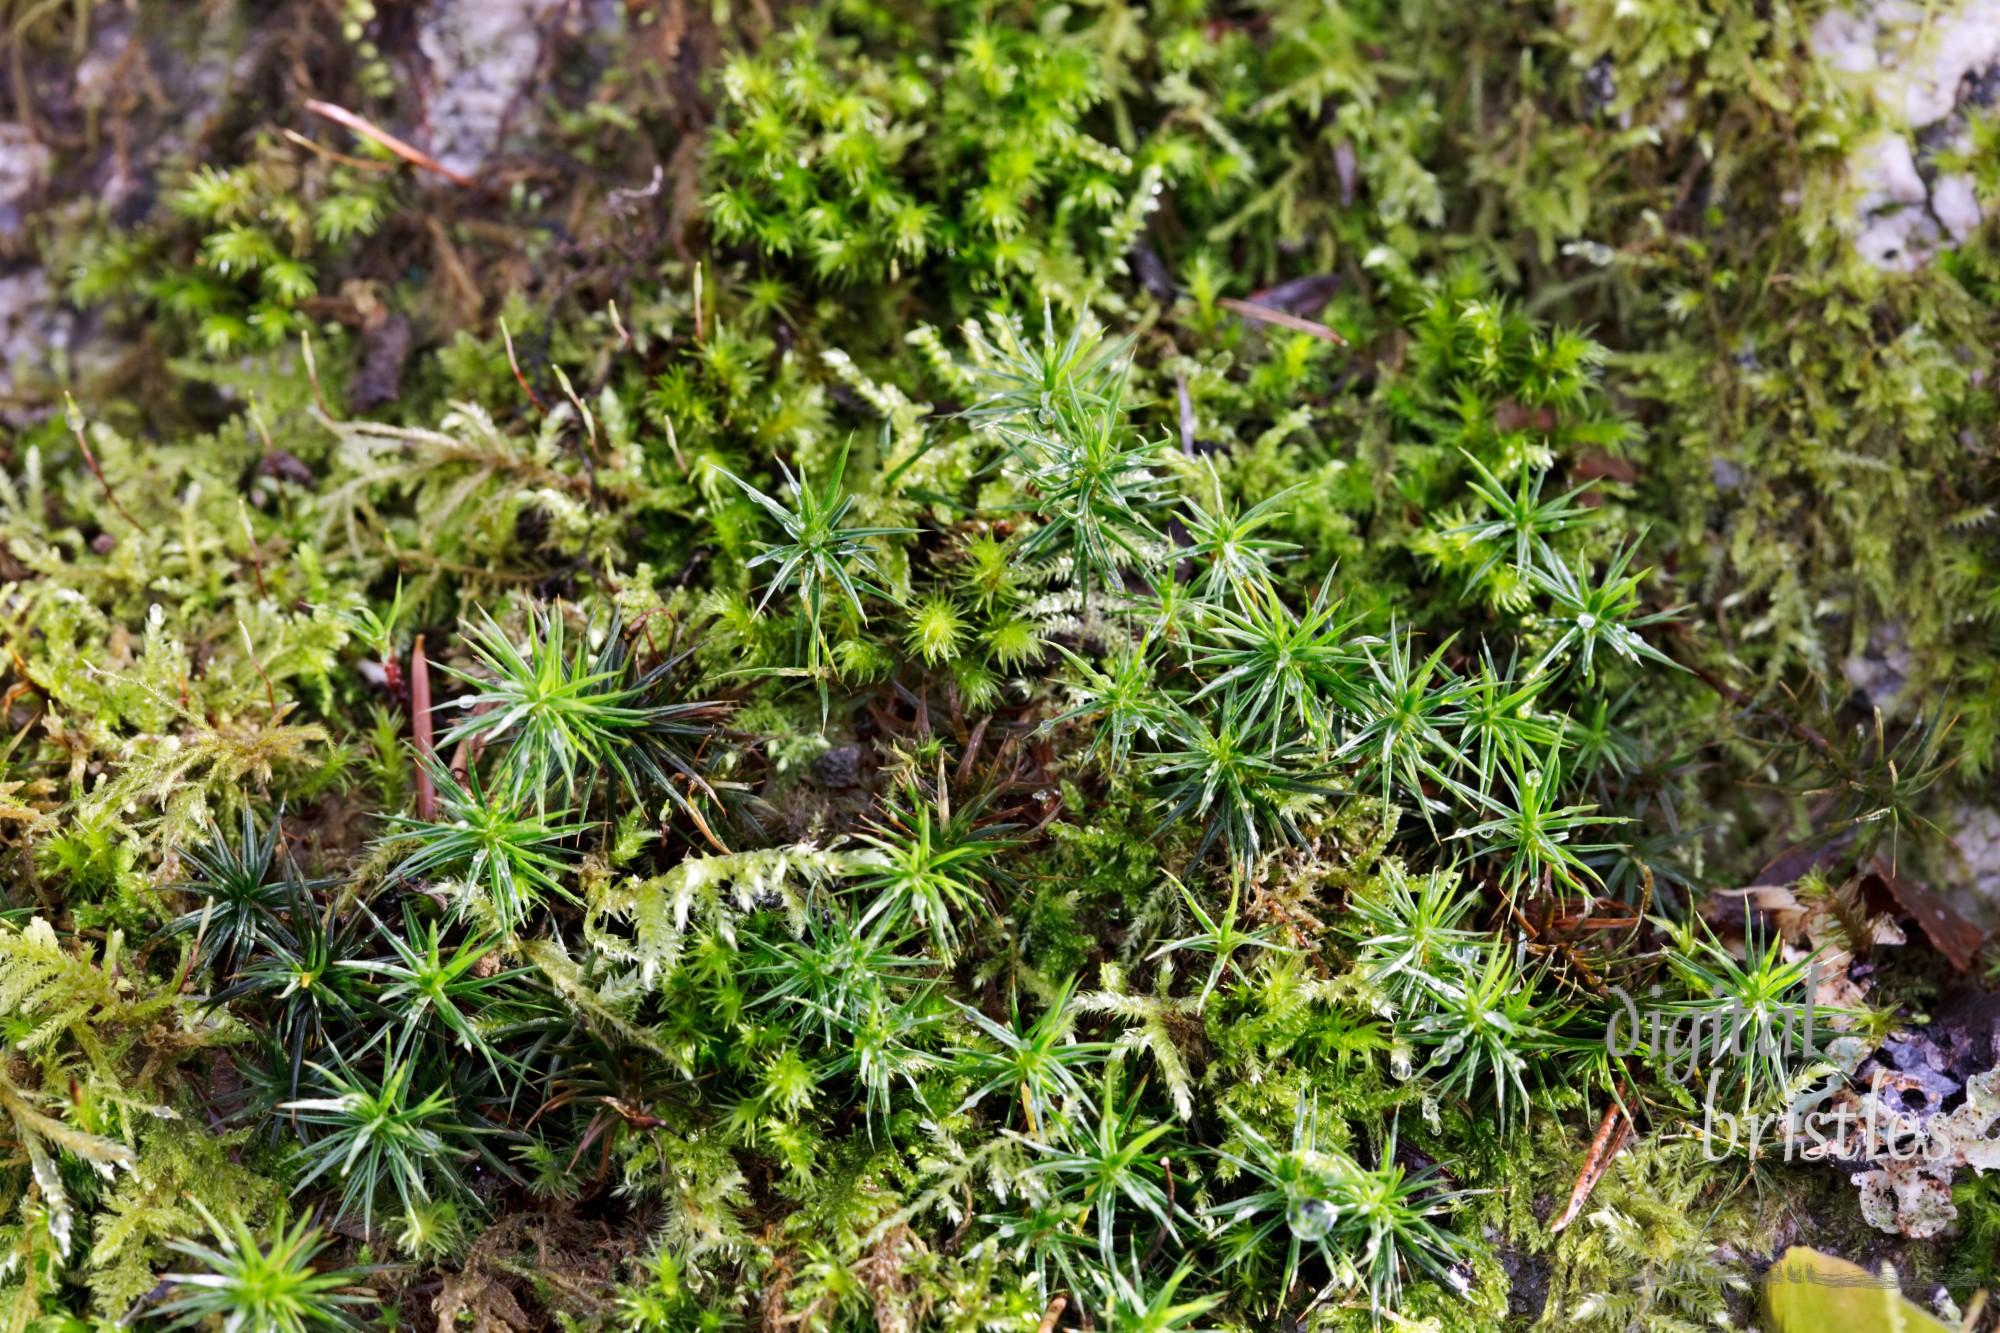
<point x="1142" y="667"/>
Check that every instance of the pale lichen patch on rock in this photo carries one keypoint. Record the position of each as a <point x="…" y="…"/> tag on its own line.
<point x="1919" y="66"/>
<point x="482" y="56"/>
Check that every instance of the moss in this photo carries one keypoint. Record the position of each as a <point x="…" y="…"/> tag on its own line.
<point x="989" y="769"/>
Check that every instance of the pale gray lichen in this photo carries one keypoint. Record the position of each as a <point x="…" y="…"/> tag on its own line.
<point x="482" y="54"/>
<point x="1915" y="63"/>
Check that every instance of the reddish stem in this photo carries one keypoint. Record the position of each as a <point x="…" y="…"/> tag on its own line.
<point x="90" y="461"/>
<point x="420" y="729"/>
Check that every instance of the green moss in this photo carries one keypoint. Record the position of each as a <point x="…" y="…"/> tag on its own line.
<point x="960" y="693"/>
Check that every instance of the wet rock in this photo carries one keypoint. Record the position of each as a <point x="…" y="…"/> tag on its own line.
<point x="1300" y="296"/>
<point x="285" y="465"/>
<point x="1527" y="1283"/>
<point x="839" y="767"/>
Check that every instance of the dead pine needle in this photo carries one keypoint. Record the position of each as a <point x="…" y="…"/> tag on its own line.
<point x="367" y="129"/>
<point x="1265" y="315"/>
<point x="421" y="735"/>
<point x="1612" y="1132"/>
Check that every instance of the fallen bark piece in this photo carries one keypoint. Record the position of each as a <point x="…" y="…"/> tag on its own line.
<point x="1955" y="937"/>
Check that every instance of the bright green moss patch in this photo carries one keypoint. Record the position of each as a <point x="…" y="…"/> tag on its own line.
<point x="1058" y="680"/>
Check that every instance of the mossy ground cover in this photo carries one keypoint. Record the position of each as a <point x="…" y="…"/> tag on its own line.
<point x="967" y="666"/>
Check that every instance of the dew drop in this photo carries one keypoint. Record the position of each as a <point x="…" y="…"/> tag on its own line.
<point x="1311" y="1220"/>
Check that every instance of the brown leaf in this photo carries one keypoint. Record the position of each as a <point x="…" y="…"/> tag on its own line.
<point x="1955" y="937"/>
<point x="1601" y="466"/>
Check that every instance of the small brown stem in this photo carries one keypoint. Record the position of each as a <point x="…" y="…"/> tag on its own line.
<point x="312" y="377"/>
<point x="420" y="729"/>
<point x="589" y="421"/>
<point x="972" y="745"/>
<point x="674" y="444"/>
<point x="251" y="650"/>
<point x="515" y="366"/>
<point x="75" y="419"/>
<point x="1736" y="697"/>
<point x="957" y="1237"/>
<point x="1260" y="314"/>
<point x="1052" y="1314"/>
<point x="343" y="158"/>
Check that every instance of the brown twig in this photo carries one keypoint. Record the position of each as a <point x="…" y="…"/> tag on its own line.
<point x="416" y="157"/>
<point x="1264" y="314"/>
<point x="1052" y="1314"/>
<point x="1612" y="1131"/>
<point x="75" y="419"/>
<point x="1737" y="698"/>
<point x="420" y="729"/>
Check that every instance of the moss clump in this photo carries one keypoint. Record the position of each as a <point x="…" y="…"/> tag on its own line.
<point x="1058" y="678"/>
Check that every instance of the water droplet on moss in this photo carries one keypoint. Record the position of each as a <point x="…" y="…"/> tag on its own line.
<point x="1311" y="1220"/>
